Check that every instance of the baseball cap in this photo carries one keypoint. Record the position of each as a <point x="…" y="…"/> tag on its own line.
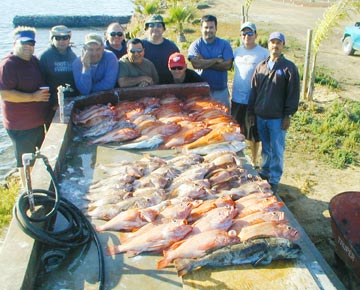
<point x="176" y="59"/>
<point x="60" y="30"/>
<point x="26" y="35"/>
<point x="153" y="19"/>
<point x="277" y="35"/>
<point x="93" y="38"/>
<point x="249" y="25"/>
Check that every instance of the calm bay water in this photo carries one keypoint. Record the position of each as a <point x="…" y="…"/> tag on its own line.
<point x="11" y="8"/>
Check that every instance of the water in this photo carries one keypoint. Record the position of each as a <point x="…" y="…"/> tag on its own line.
<point x="11" y="8"/>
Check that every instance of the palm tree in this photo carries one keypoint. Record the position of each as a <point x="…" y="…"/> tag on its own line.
<point x="178" y="14"/>
<point x="331" y="18"/>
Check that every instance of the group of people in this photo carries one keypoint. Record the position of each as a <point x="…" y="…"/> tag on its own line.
<point x="265" y="91"/>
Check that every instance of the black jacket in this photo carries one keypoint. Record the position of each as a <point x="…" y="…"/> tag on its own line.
<point x="274" y="93"/>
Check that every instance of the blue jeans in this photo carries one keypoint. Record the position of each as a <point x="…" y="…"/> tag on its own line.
<point x="273" y="147"/>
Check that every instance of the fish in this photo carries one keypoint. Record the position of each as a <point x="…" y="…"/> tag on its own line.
<point x="117" y="135"/>
<point x="129" y="220"/>
<point x="196" y="246"/>
<point x="269" y="229"/>
<point x="233" y="146"/>
<point x="257" y="217"/>
<point x="256" y="252"/>
<point x="216" y="136"/>
<point x="217" y="218"/>
<point x="144" y="143"/>
<point x="159" y="238"/>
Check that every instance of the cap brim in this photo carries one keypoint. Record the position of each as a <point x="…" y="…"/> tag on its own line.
<point x="93" y="42"/>
<point x="25" y="39"/>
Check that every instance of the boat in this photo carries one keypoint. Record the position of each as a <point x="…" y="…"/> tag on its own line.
<point x="22" y="258"/>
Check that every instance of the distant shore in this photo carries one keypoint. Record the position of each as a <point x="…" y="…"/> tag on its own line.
<point x="47" y="21"/>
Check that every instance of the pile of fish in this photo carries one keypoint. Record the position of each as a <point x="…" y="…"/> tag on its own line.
<point x="164" y="122"/>
<point x="196" y="210"/>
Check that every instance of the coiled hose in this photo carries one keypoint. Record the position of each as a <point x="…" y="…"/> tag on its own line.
<point x="78" y="231"/>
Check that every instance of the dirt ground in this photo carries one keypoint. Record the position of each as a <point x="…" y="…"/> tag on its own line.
<point x="308" y="185"/>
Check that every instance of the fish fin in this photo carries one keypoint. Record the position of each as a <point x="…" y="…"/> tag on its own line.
<point x="163" y="263"/>
<point x="112" y="250"/>
<point x="264" y="260"/>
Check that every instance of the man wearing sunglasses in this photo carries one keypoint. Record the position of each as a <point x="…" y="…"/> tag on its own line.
<point x="158" y="48"/>
<point x="96" y="69"/>
<point x="24" y="106"/>
<point x="246" y="58"/>
<point x="179" y="71"/>
<point x="134" y="69"/>
<point x="212" y="57"/>
<point x="56" y="65"/>
<point x="115" y="39"/>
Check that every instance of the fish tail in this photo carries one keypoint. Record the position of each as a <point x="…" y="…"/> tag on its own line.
<point x="123" y="237"/>
<point x="112" y="250"/>
<point x="162" y="263"/>
<point x="183" y="267"/>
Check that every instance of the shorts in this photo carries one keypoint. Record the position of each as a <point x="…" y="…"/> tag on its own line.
<point x="25" y="141"/>
<point x="239" y="113"/>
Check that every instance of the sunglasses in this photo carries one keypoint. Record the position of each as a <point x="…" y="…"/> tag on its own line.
<point x="157" y="24"/>
<point x="248" y="33"/>
<point x="134" y="50"/>
<point x="113" y="34"/>
<point x="58" y="38"/>
<point x="177" y="68"/>
<point x="30" y="43"/>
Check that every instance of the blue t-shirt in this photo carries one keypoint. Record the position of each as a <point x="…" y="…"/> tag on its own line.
<point x="159" y="54"/>
<point x="219" y="48"/>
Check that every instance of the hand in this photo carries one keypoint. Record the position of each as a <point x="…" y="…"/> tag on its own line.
<point x="285" y="123"/>
<point x="85" y="59"/>
<point x="40" y="96"/>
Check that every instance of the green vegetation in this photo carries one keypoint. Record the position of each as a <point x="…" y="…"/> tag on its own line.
<point x="331" y="133"/>
<point x="8" y="195"/>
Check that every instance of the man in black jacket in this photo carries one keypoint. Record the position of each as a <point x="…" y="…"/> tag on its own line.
<point x="273" y="100"/>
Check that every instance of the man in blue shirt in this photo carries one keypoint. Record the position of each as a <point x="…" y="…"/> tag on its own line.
<point x="158" y="48"/>
<point x="96" y="69"/>
<point x="212" y="57"/>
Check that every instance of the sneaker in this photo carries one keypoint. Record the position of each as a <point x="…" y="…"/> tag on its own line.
<point x="274" y="187"/>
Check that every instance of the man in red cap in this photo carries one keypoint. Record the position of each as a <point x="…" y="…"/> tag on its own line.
<point x="179" y="71"/>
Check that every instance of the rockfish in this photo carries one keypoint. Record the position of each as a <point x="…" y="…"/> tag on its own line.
<point x="143" y="143"/>
<point x="117" y="135"/>
<point x="159" y="238"/>
<point x="256" y="252"/>
<point x="197" y="246"/>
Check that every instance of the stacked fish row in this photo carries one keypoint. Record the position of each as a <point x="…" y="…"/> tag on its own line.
<point x="190" y="207"/>
<point x="167" y="122"/>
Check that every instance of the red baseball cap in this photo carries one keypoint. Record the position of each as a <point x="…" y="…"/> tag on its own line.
<point x="176" y="59"/>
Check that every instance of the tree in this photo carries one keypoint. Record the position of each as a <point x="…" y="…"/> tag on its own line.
<point x="178" y="14"/>
<point x="331" y="18"/>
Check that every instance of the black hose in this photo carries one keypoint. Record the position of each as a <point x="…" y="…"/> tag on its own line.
<point x="78" y="231"/>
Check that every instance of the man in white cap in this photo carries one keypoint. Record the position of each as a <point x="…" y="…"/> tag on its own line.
<point x="274" y="98"/>
<point x="24" y="106"/>
<point x="96" y="69"/>
<point x="246" y="58"/>
<point x="56" y="65"/>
